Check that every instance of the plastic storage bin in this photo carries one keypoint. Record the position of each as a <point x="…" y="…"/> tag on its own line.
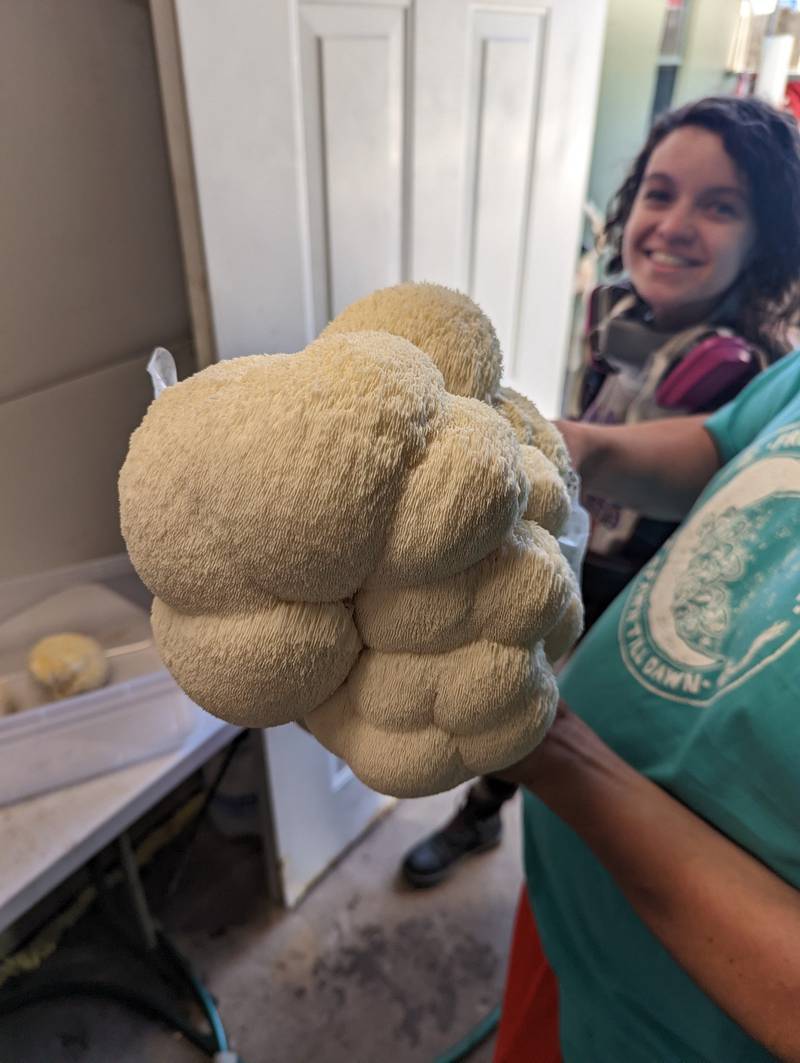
<point x="139" y="713"/>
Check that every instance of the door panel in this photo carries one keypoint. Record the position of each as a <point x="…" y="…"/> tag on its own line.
<point x="318" y="807"/>
<point x="352" y="98"/>
<point x="503" y="79"/>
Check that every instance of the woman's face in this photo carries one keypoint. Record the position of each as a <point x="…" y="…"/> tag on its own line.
<point x="691" y="231"/>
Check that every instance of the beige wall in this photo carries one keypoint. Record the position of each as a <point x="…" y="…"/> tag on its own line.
<point x="91" y="269"/>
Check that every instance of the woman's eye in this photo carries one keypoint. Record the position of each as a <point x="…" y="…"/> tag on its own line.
<point x="722" y="209"/>
<point x="656" y="195"/>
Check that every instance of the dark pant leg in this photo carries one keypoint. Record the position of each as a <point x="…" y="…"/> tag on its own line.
<point x="493" y="794"/>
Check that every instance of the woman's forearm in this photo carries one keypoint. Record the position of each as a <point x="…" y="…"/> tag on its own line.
<point x="729" y="921"/>
<point x="658" y="467"/>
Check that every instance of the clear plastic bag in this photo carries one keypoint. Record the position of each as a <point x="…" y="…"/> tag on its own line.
<point x="574" y="537"/>
<point x="162" y="370"/>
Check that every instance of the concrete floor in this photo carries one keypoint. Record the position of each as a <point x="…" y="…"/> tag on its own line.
<point x="364" y="970"/>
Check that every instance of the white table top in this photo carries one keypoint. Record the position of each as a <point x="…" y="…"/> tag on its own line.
<point x="45" y="838"/>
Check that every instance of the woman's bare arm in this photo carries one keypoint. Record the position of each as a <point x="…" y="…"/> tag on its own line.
<point x="728" y="920"/>
<point x="658" y="467"/>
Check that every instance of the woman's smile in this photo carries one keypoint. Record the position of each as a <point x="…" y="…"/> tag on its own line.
<point x="667" y="260"/>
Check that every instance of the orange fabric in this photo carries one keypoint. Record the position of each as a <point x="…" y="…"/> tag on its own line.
<point x="529" y="1023"/>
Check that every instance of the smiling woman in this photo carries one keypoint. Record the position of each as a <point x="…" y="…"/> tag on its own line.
<point x="727" y="162"/>
<point x="706" y="231"/>
<point x="691" y="231"/>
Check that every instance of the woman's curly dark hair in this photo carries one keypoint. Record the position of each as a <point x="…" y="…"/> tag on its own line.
<point x="765" y="147"/>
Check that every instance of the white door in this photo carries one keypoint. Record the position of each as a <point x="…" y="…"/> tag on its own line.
<point x="323" y="149"/>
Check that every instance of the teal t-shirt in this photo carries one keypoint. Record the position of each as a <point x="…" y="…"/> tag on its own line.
<point x="693" y="676"/>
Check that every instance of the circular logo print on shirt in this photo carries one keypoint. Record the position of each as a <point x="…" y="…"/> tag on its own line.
<point x="723" y="599"/>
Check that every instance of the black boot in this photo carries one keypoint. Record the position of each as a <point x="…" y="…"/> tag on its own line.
<point x="475" y="828"/>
